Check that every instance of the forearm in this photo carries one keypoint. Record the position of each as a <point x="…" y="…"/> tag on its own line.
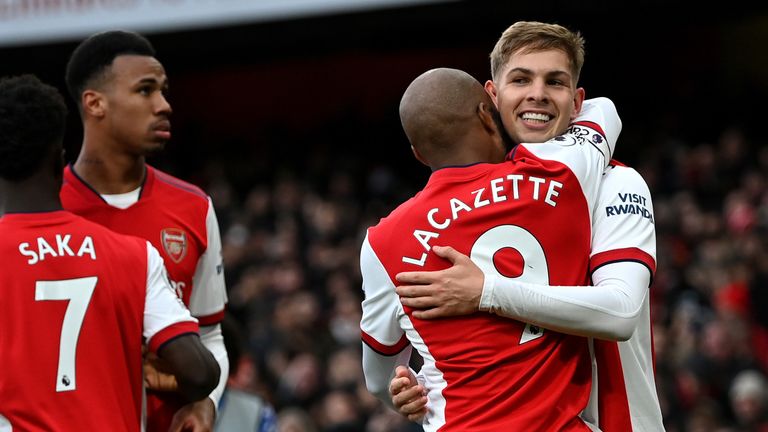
<point x="194" y="367"/>
<point x="380" y="369"/>
<point x="213" y="340"/>
<point x="607" y="310"/>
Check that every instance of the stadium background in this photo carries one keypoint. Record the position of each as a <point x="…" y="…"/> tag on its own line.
<point x="291" y="125"/>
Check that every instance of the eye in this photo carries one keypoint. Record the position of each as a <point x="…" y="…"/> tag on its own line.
<point x="145" y="90"/>
<point x="519" y="80"/>
<point x="556" y="82"/>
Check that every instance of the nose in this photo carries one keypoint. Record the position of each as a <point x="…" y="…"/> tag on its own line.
<point x="538" y="91"/>
<point x="162" y="105"/>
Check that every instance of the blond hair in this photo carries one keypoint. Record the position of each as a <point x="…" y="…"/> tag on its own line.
<point x="532" y="36"/>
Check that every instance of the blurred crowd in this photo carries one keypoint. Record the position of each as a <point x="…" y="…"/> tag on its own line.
<point x="710" y="293"/>
<point x="291" y="240"/>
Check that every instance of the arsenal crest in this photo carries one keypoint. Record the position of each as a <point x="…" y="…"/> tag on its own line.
<point x="174" y="243"/>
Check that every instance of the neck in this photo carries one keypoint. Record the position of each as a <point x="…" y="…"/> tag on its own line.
<point x="32" y="195"/>
<point x="109" y="171"/>
<point x="461" y="156"/>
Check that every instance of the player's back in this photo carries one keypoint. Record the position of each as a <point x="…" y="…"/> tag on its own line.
<point x="73" y="302"/>
<point x="527" y="219"/>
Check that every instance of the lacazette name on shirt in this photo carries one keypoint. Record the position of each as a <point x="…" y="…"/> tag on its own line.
<point x="499" y="190"/>
<point x="59" y="246"/>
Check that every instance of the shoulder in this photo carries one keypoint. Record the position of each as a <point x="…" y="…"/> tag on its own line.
<point x="622" y="185"/>
<point x="170" y="184"/>
<point x="126" y="245"/>
<point x="620" y="176"/>
<point x="393" y="223"/>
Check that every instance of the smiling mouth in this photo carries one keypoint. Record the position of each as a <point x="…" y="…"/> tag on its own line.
<point x="532" y="117"/>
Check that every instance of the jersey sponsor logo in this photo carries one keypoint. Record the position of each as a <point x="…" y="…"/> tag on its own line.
<point x="174" y="243"/>
<point x="631" y="203"/>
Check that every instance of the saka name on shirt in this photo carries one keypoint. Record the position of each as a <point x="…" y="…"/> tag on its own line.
<point x="40" y="249"/>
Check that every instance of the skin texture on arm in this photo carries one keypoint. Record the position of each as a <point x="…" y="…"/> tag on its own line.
<point x="157" y="375"/>
<point x="198" y="416"/>
<point x="196" y="371"/>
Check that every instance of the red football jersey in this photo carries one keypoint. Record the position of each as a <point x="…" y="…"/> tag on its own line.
<point x="77" y="299"/>
<point x="178" y="219"/>
<point x="529" y="218"/>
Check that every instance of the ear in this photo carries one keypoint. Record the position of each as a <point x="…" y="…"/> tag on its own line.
<point x="578" y="102"/>
<point x="485" y="114"/>
<point x="94" y="103"/>
<point x="418" y="156"/>
<point x="490" y="88"/>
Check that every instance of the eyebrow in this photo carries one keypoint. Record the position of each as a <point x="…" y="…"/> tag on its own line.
<point x="526" y="71"/>
<point x="154" y="81"/>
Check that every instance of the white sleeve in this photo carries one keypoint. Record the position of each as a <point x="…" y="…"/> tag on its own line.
<point x="162" y="307"/>
<point x="384" y="343"/>
<point x="209" y="295"/>
<point x="600" y="114"/>
<point x="623" y="227"/>
<point x="211" y="338"/>
<point x="380" y="369"/>
<point x="607" y="310"/>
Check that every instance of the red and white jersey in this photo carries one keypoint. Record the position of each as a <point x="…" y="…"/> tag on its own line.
<point x="179" y="220"/>
<point x="528" y="218"/>
<point x="624" y="230"/>
<point x="77" y="301"/>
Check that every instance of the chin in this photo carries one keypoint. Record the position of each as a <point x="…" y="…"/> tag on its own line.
<point x="536" y="137"/>
<point x="154" y="147"/>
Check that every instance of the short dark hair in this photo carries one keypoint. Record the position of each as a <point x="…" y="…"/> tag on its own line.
<point x="32" y="120"/>
<point x="94" y="55"/>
